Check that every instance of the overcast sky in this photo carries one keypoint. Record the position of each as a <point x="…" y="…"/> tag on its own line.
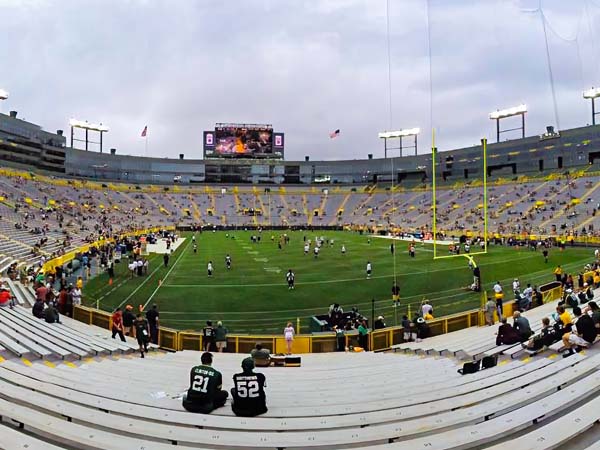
<point x="306" y="66"/>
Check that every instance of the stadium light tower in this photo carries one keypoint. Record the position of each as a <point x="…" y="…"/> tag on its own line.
<point x="498" y="115"/>
<point x="399" y="135"/>
<point x="592" y="94"/>
<point x="85" y="125"/>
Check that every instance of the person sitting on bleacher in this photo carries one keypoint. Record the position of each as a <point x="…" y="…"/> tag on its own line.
<point x="205" y="394"/>
<point x="546" y="337"/>
<point x="594" y="311"/>
<point x="51" y="313"/>
<point x="248" y="392"/>
<point x="261" y="356"/>
<point x="38" y="308"/>
<point x="583" y="333"/>
<point x="563" y="315"/>
<point x="507" y="335"/>
<point x="521" y="325"/>
<point x="6" y="299"/>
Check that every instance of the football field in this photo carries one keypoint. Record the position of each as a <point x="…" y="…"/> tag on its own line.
<point x="253" y="296"/>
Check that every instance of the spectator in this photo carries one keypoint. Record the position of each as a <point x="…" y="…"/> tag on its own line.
<point x="426" y="308"/>
<point x="261" y="356"/>
<point x="594" y="311"/>
<point x="153" y="321"/>
<point x="208" y="336"/>
<point x="128" y="319"/>
<point x="507" y="335"/>
<point x="205" y="394"/>
<point x="408" y="330"/>
<point x="142" y="333"/>
<point x="76" y="296"/>
<point x="221" y="337"/>
<point x="117" y="324"/>
<point x="62" y="300"/>
<point x="288" y="334"/>
<point x="516" y="285"/>
<point x="79" y="283"/>
<point x="379" y="323"/>
<point x="583" y="333"/>
<point x="546" y="337"/>
<point x="363" y="335"/>
<point x="6" y="299"/>
<point x="558" y="272"/>
<point x="489" y="310"/>
<point x="340" y="338"/>
<point x="563" y="316"/>
<point x="423" y="330"/>
<point x="248" y="392"/>
<point x="538" y="297"/>
<point x="51" y="314"/>
<point x="41" y="292"/>
<point x="528" y="294"/>
<point x="521" y="326"/>
<point x="38" y="308"/>
<point x="69" y="302"/>
<point x="498" y="296"/>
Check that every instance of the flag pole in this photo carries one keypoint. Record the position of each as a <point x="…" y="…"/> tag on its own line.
<point x="146" y="140"/>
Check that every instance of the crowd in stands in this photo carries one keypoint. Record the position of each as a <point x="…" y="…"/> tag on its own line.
<point x="577" y="329"/>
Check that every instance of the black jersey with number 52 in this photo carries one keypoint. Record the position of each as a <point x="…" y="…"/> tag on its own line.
<point x="249" y="394"/>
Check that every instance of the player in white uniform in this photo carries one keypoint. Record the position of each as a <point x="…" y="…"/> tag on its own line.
<point x="228" y="262"/>
<point x="306" y="248"/>
<point x="209" y="268"/>
<point x="316" y="252"/>
<point x="343" y="249"/>
<point x="369" y="269"/>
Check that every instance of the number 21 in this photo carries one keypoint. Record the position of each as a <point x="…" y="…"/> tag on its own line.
<point x="200" y="384"/>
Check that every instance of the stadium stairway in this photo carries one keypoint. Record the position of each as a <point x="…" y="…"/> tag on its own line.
<point x="339" y="400"/>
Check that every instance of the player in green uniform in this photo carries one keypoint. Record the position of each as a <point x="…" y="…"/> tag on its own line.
<point x="205" y="394"/>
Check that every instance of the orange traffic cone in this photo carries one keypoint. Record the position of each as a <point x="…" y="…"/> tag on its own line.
<point x="110" y="281"/>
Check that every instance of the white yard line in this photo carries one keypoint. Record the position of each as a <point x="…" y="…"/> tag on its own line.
<point x="166" y="276"/>
<point x="138" y="288"/>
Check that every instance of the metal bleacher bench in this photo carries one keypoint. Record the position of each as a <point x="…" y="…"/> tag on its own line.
<point x="571" y="382"/>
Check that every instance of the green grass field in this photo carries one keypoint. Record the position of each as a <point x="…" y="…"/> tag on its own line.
<point x="253" y="296"/>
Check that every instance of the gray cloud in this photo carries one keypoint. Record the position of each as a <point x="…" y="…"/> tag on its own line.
<point x="307" y="67"/>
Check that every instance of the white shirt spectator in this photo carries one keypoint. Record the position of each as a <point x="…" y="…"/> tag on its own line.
<point x="498" y="288"/>
<point x="76" y="295"/>
<point x="426" y="308"/>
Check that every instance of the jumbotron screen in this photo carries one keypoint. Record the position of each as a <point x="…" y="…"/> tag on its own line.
<point x="243" y="141"/>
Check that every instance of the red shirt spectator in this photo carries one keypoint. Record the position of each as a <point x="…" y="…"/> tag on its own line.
<point x="4" y="297"/>
<point x="41" y="293"/>
<point x="117" y="320"/>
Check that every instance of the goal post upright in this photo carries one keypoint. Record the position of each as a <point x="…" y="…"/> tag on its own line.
<point x="434" y="201"/>
<point x="433" y="194"/>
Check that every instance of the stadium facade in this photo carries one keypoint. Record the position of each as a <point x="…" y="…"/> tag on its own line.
<point x="24" y="144"/>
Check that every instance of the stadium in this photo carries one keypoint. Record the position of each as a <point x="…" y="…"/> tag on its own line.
<point x="248" y="290"/>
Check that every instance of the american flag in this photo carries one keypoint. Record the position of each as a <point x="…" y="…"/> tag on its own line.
<point x="335" y="134"/>
<point x="145" y="131"/>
